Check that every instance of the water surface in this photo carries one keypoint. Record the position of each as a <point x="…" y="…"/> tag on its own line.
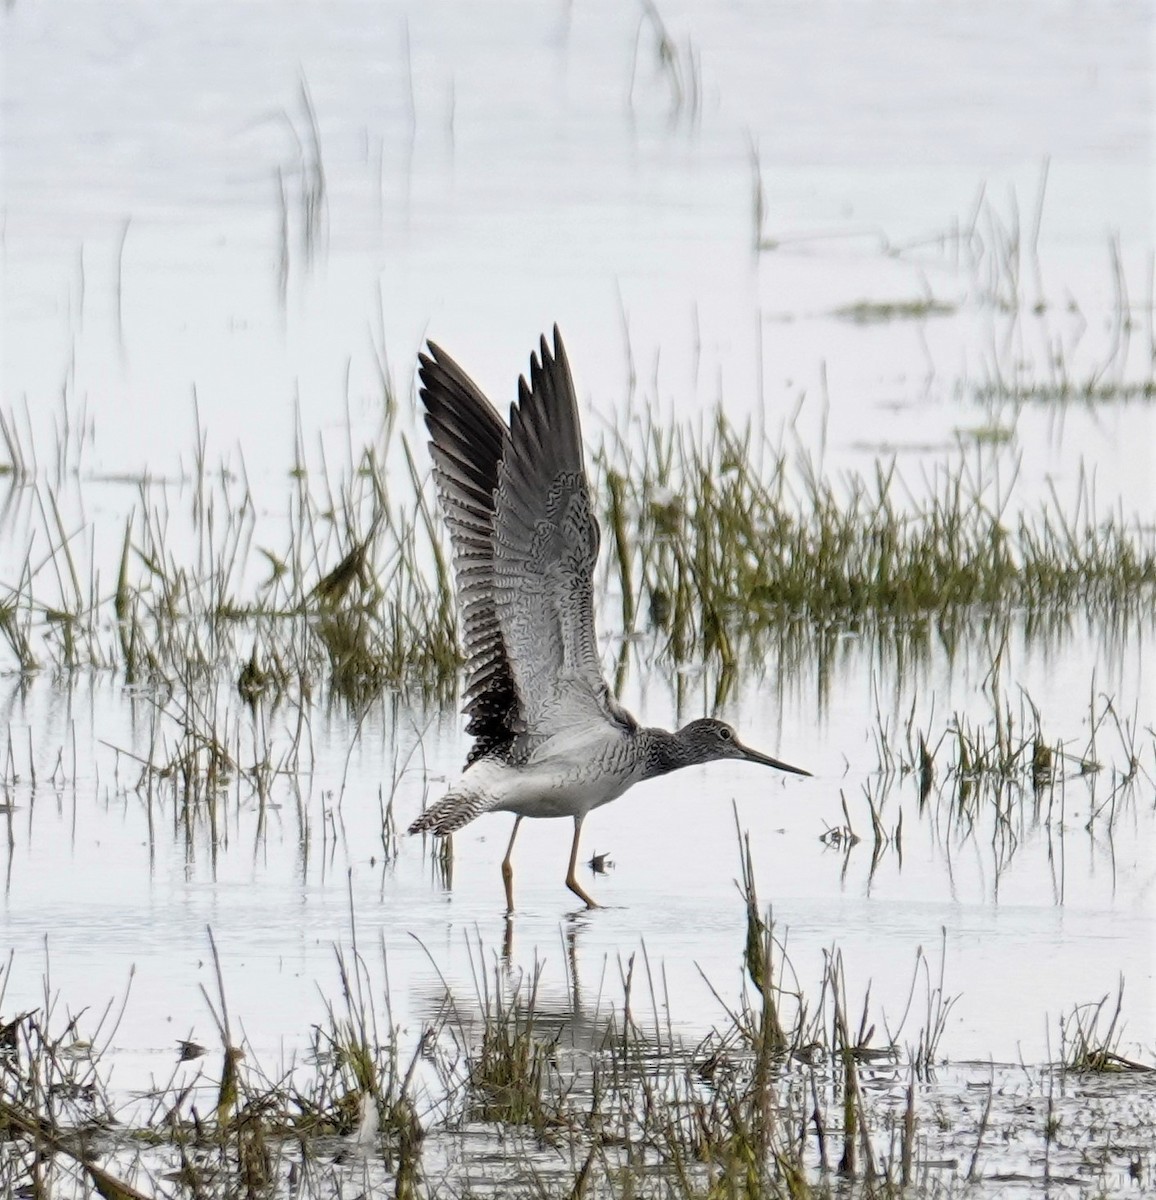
<point x="187" y="255"/>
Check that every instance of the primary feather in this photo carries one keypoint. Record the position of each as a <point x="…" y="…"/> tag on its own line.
<point x="525" y="539"/>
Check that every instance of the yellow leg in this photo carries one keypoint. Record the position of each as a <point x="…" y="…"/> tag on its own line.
<point x="571" y="882"/>
<point x="508" y="867"/>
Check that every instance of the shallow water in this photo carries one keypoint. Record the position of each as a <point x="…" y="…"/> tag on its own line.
<point x="1042" y="903"/>
<point x="482" y="180"/>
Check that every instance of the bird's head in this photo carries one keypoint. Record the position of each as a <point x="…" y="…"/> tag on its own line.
<point x="706" y="739"/>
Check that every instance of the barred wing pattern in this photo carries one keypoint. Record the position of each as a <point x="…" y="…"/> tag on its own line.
<point x="525" y="541"/>
<point x="468" y="438"/>
<point x="545" y="550"/>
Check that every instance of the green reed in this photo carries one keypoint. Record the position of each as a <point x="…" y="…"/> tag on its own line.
<point x="731" y="542"/>
<point x="723" y="549"/>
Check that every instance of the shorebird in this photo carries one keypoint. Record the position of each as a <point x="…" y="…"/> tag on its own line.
<point x="550" y="739"/>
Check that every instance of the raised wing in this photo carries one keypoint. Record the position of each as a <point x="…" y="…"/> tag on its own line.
<point x="545" y="546"/>
<point x="468" y="440"/>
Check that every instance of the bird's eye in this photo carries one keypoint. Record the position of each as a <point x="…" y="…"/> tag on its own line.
<point x="725" y="734"/>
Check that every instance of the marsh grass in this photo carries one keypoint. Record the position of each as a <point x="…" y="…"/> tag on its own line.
<point x="795" y="1094"/>
<point x="511" y="1073"/>
<point x="732" y="545"/>
<point x="1003" y="756"/>
<point x="219" y="1126"/>
<point x="870" y="312"/>
<point x="987" y="263"/>
<point x="1091" y="1036"/>
<point x="995" y="779"/>
<point x="725" y="549"/>
<point x="350" y="591"/>
<point x="1090" y="391"/>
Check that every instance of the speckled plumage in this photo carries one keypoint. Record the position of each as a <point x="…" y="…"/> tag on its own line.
<point x="550" y="739"/>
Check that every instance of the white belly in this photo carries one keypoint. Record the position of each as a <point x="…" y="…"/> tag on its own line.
<point x="562" y="780"/>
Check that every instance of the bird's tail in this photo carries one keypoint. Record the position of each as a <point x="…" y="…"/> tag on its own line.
<point x="451" y="812"/>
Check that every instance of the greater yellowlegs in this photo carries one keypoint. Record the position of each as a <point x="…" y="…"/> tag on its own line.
<point x="550" y="740"/>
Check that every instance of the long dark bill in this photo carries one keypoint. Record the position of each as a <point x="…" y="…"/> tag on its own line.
<point x="767" y="761"/>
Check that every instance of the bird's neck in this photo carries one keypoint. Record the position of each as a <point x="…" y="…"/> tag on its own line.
<point x="663" y="753"/>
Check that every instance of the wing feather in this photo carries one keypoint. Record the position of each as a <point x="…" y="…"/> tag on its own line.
<point x="467" y="441"/>
<point x="525" y="541"/>
<point x="546" y="541"/>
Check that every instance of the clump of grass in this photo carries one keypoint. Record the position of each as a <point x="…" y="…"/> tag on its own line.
<point x="1091" y="1034"/>
<point x="870" y="312"/>
<point x="1004" y="755"/>
<point x="220" y="1125"/>
<point x="16" y="627"/>
<point x="509" y="1072"/>
<point x="356" y="596"/>
<point x="732" y="544"/>
<point x="992" y="434"/>
<point x="1007" y="746"/>
<point x="56" y="1110"/>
